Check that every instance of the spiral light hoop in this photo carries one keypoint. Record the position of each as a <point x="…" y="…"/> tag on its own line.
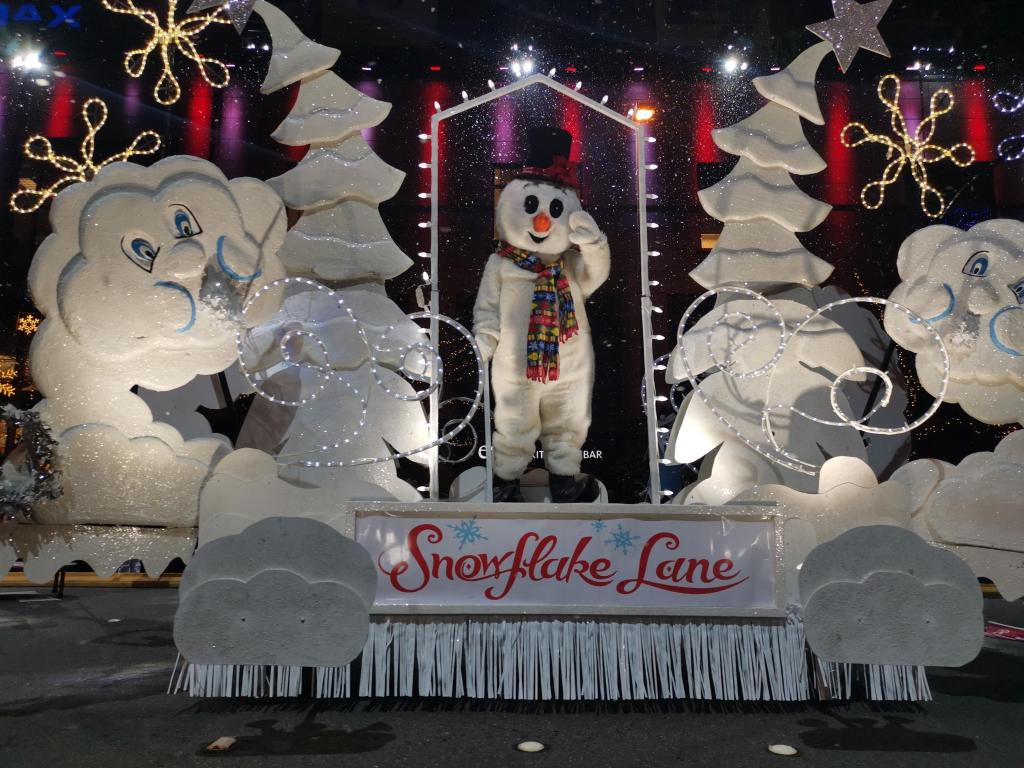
<point x="475" y="436"/>
<point x="418" y="362"/>
<point x="773" y="451"/>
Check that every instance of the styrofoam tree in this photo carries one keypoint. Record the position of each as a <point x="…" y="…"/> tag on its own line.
<point x="341" y="241"/>
<point x="758" y="249"/>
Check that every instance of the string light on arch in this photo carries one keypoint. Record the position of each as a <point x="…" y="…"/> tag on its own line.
<point x="94" y="114"/>
<point x="168" y="37"/>
<point x="904" y="148"/>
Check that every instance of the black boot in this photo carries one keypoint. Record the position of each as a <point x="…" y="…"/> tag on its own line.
<point x="507" y="490"/>
<point x="566" y="489"/>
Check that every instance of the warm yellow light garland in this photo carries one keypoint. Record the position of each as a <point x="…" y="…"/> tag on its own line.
<point x="906" y="149"/>
<point x="178" y="34"/>
<point x="94" y="113"/>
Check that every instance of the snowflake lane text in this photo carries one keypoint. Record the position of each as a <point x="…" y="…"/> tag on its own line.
<point x="411" y="567"/>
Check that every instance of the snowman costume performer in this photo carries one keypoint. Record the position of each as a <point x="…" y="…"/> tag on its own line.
<point x="530" y="321"/>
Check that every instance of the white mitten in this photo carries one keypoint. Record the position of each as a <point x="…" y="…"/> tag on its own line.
<point x="583" y="230"/>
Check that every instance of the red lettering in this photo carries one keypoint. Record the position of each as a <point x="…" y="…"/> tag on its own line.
<point x="409" y="569"/>
<point x="694" y="564"/>
<point x="433" y="536"/>
<point x="442" y="561"/>
<point x="667" y="572"/>
<point x="721" y="566"/>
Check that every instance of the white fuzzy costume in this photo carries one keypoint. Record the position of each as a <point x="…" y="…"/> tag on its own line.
<point x="557" y="412"/>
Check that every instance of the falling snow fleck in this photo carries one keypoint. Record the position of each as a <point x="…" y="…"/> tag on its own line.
<point x="622" y="540"/>
<point x="468" y="532"/>
<point x="598" y="525"/>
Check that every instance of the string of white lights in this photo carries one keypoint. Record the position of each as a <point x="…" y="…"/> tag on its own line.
<point x="1012" y="147"/>
<point x="1007" y="102"/>
<point x="415" y="360"/>
<point x="725" y="362"/>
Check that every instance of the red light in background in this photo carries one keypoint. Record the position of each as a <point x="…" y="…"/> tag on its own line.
<point x="840" y="173"/>
<point x="574" y="125"/>
<point x="707" y="69"/>
<point x="980" y="67"/>
<point x="704" y="148"/>
<point x="570" y="69"/>
<point x="200" y="117"/>
<point x="977" y="121"/>
<point x="435" y="67"/>
<point x="59" y="122"/>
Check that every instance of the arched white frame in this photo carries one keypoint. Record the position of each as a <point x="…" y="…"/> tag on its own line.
<point x="639" y="143"/>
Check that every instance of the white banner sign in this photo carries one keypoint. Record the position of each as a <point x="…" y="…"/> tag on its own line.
<point x="501" y="563"/>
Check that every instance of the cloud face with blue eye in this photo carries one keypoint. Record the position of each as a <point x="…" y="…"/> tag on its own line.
<point x="969" y="288"/>
<point x="148" y="268"/>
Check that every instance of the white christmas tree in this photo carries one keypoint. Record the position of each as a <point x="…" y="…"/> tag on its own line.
<point x="758" y="249"/>
<point x="341" y="241"/>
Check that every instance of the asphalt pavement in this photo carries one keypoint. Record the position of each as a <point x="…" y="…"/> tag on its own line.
<point x="83" y="683"/>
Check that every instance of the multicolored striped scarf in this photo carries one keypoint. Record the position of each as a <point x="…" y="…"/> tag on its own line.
<point x="552" y="315"/>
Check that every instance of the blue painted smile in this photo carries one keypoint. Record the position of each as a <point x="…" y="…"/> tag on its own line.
<point x="995" y="339"/>
<point x="191" y="302"/>
<point x="944" y="313"/>
<point x="228" y="270"/>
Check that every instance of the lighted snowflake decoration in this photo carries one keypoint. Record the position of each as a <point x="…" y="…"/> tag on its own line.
<point x="6" y="389"/>
<point x="94" y="114"/>
<point x="598" y="525"/>
<point x="27" y="324"/>
<point x="468" y="532"/>
<point x="904" y="148"/>
<point x="170" y="36"/>
<point x="622" y="539"/>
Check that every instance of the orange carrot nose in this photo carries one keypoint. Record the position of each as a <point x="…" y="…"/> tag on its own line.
<point x="541" y="222"/>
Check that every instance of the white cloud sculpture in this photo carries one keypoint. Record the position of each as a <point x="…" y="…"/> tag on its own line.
<point x="969" y="286"/>
<point x="245" y="488"/>
<point x="142" y="283"/>
<point x="285" y="591"/>
<point x="880" y="594"/>
<point x="974" y="508"/>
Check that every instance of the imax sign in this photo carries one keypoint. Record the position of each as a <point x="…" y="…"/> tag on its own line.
<point x="44" y="15"/>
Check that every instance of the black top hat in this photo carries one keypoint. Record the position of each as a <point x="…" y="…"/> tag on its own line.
<point x="548" y="158"/>
<point x="547" y="143"/>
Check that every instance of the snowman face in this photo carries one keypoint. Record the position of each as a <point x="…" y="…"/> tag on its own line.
<point x="534" y="216"/>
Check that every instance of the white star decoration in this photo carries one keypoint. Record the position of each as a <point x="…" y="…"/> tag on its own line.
<point x="855" y="26"/>
<point x="238" y="11"/>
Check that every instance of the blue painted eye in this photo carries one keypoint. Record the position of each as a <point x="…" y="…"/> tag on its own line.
<point x="1018" y="290"/>
<point x="977" y="265"/>
<point x="184" y="223"/>
<point x="141" y="251"/>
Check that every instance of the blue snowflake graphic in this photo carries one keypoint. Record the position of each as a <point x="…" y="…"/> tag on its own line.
<point x="467" y="532"/>
<point x="598" y="525"/>
<point x="622" y="540"/>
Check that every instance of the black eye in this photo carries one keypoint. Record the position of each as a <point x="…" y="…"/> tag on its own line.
<point x="556" y="208"/>
<point x="531" y="203"/>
